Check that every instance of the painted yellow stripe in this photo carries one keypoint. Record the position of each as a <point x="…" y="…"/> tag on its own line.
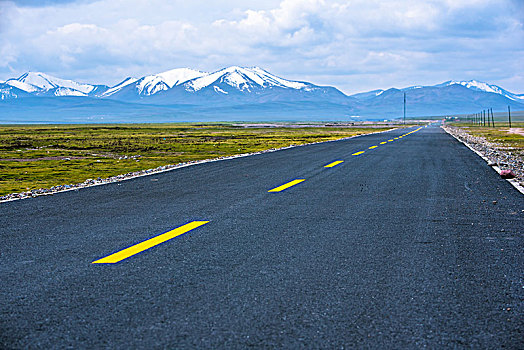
<point x="383" y="143"/>
<point x="140" y="247"/>
<point x="287" y="185"/>
<point x="358" y="153"/>
<point x="390" y="140"/>
<point x="373" y="147"/>
<point x="335" y="163"/>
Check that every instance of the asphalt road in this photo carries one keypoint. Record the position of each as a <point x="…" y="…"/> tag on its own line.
<point x="414" y="243"/>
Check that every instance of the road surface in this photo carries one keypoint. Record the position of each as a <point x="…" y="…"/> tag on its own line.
<point x="413" y="243"/>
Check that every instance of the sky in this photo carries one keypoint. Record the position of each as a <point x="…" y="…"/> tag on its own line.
<point x="354" y="45"/>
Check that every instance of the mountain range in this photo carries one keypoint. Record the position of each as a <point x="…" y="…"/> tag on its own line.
<point x="233" y="93"/>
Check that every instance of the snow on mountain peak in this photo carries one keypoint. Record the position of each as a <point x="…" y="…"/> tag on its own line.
<point x="35" y="81"/>
<point x="242" y="78"/>
<point x="63" y="91"/>
<point x="477" y="85"/>
<point x="117" y="87"/>
<point x="152" y="84"/>
<point x="180" y="75"/>
<point x="481" y="86"/>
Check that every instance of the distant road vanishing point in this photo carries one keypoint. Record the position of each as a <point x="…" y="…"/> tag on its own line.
<point x="402" y="239"/>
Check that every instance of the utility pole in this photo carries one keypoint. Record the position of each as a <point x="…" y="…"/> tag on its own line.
<point x="404" y="107"/>
<point x="509" y="117"/>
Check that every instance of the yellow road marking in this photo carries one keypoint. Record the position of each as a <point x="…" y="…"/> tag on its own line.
<point x="140" y="247"/>
<point x="358" y="153"/>
<point x="287" y="185"/>
<point x="331" y="165"/>
<point x="383" y="143"/>
<point x="390" y="140"/>
<point x="373" y="147"/>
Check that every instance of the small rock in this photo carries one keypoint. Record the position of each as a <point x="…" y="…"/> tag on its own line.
<point x="507" y="174"/>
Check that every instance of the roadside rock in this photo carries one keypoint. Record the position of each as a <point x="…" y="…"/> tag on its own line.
<point x="507" y="174"/>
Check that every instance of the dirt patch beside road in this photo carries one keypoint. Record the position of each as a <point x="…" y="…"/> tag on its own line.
<point x="519" y="131"/>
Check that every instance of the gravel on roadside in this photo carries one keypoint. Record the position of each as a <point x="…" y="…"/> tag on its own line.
<point x="498" y="154"/>
<point x="117" y="178"/>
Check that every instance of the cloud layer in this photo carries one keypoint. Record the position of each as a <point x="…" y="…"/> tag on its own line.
<point x="355" y="45"/>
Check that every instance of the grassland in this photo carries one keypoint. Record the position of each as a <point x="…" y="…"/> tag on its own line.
<point x="500" y="134"/>
<point x="42" y="156"/>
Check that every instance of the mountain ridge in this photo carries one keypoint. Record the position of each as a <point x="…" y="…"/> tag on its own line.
<point x="244" y="92"/>
<point x="195" y="80"/>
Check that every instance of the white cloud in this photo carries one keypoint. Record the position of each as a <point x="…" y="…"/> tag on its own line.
<point x="355" y="45"/>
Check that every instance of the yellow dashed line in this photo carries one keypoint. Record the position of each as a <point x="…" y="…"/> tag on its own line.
<point x="140" y="247"/>
<point x="287" y="185"/>
<point x="335" y="163"/>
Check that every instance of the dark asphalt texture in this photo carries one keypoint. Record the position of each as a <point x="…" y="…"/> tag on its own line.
<point x="401" y="247"/>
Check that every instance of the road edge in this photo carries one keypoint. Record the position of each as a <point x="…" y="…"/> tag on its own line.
<point x="166" y="168"/>
<point x="513" y="182"/>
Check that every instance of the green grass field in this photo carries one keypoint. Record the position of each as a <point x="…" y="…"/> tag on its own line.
<point x="508" y="140"/>
<point x="499" y="134"/>
<point x="42" y="156"/>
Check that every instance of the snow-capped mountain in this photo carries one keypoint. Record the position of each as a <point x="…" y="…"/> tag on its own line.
<point x="152" y="84"/>
<point x="226" y="86"/>
<point x="177" y="86"/>
<point x="470" y="84"/>
<point x="43" y="84"/>
<point x="243" y="79"/>
<point x="481" y="86"/>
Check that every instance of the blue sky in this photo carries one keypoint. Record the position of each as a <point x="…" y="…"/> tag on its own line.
<point x="355" y="45"/>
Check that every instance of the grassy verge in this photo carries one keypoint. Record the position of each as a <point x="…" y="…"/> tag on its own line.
<point x="499" y="134"/>
<point x="42" y="156"/>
